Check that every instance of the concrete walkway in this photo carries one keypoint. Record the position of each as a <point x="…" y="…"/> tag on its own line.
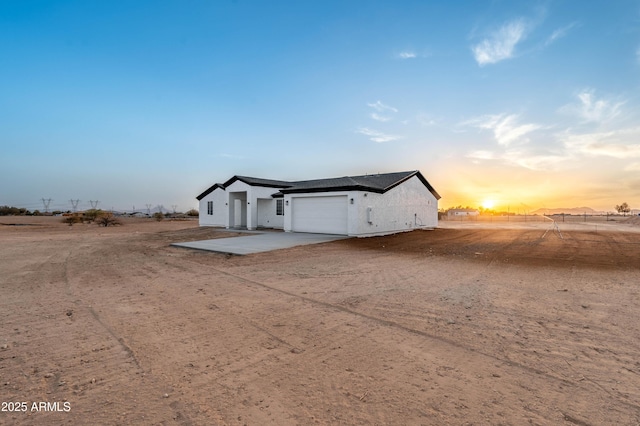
<point x="259" y="242"/>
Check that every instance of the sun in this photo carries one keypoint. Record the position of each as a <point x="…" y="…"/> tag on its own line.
<point x="488" y="204"/>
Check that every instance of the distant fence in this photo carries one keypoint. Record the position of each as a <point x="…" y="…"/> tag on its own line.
<point x="558" y="218"/>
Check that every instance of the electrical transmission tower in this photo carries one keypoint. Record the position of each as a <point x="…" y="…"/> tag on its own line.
<point x="160" y="207"/>
<point x="46" y="203"/>
<point x="74" y="204"/>
<point x="94" y="204"/>
<point x="174" y="207"/>
<point x="148" y="209"/>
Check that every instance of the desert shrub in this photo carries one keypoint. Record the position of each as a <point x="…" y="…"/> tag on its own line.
<point x="72" y="219"/>
<point x="107" y="219"/>
<point x="93" y="214"/>
<point x="12" y="211"/>
<point x="158" y="216"/>
<point x="193" y="212"/>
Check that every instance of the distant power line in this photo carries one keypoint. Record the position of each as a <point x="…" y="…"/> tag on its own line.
<point x="74" y="204"/>
<point x="46" y="203"/>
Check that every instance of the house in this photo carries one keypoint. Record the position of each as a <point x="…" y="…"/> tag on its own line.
<point x="351" y="205"/>
<point x="454" y="213"/>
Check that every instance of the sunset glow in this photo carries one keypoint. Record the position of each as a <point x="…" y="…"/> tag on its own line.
<point x="488" y="204"/>
<point x="498" y="104"/>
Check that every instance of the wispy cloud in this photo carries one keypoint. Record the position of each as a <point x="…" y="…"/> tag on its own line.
<point x="633" y="167"/>
<point x="521" y="158"/>
<point x="617" y="144"/>
<point x="406" y="55"/>
<point x="377" y="136"/>
<point x="592" y="109"/>
<point x="501" y="44"/>
<point x="380" y="107"/>
<point x="559" y="33"/>
<point x="380" y="118"/>
<point x="427" y="119"/>
<point x="383" y="111"/>
<point x="505" y="128"/>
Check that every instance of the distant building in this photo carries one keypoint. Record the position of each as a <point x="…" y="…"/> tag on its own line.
<point x="453" y="213"/>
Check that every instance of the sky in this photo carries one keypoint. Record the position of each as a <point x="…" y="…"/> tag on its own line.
<point x="516" y="104"/>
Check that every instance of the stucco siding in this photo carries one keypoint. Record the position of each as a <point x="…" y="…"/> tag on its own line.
<point x="267" y="217"/>
<point x="408" y="206"/>
<point x="219" y="213"/>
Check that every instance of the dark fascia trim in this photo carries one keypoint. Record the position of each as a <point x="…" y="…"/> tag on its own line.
<point x="422" y="179"/>
<point x="332" y="189"/>
<point x="365" y="188"/>
<point x="209" y="191"/>
<point x="428" y="185"/>
<point x="241" y="179"/>
<point x="284" y="190"/>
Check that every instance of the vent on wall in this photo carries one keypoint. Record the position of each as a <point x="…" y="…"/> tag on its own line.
<point x="370" y="215"/>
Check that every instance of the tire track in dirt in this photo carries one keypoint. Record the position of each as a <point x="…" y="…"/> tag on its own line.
<point x="389" y="323"/>
<point x="78" y="303"/>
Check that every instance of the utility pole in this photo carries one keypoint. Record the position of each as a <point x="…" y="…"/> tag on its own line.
<point x="46" y="203"/>
<point x="74" y="205"/>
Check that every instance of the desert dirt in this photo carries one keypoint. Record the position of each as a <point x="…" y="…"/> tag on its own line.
<point x="460" y="325"/>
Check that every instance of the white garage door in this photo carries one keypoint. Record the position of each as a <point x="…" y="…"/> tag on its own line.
<point x="325" y="215"/>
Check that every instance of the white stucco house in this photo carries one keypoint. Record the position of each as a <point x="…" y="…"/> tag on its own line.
<point x="453" y="213"/>
<point x="351" y="205"/>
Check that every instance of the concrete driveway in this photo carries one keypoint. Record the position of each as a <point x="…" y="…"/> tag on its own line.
<point x="259" y="242"/>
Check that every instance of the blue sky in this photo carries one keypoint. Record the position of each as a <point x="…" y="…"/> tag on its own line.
<point x="150" y="102"/>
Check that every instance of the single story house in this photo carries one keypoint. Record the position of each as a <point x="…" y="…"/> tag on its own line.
<point x="352" y="205"/>
<point x="452" y="213"/>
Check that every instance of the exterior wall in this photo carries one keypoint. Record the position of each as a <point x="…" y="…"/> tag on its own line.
<point x="267" y="217"/>
<point x="220" y="215"/>
<point x="255" y="193"/>
<point x="408" y="206"/>
<point x="252" y="201"/>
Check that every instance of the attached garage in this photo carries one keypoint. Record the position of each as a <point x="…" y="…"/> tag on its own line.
<point x="323" y="214"/>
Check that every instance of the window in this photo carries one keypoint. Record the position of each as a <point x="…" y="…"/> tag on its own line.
<point x="209" y="207"/>
<point x="279" y="207"/>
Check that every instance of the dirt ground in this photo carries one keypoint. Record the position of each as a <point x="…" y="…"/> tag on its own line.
<point x="460" y="325"/>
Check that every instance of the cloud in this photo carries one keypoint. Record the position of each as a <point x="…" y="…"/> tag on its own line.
<point x="520" y="157"/>
<point x="481" y="155"/>
<point x="633" y="167"/>
<point x="592" y="109"/>
<point x="501" y="44"/>
<point x="559" y="33"/>
<point x="616" y="144"/>
<point x="504" y="127"/>
<point x="380" y="107"/>
<point x="376" y="136"/>
<point x="406" y="55"/>
<point x="380" y="118"/>
<point x="427" y="119"/>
